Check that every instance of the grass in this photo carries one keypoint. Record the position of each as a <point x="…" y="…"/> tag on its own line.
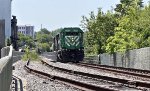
<point x="32" y="55"/>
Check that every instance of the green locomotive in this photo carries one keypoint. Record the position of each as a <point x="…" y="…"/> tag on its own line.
<point x="68" y="44"/>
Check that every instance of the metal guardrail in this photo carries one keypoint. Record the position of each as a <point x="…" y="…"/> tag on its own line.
<point x="6" y="68"/>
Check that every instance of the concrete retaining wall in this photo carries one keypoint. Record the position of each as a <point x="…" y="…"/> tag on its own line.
<point x="6" y="69"/>
<point x="138" y="58"/>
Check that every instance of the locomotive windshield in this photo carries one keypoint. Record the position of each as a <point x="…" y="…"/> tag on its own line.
<point x="72" y="33"/>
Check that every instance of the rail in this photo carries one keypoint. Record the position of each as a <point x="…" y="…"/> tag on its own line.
<point x="70" y="82"/>
<point x="112" y="79"/>
<point x="129" y="71"/>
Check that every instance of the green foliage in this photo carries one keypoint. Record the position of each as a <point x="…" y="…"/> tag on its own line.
<point x="44" y="31"/>
<point x="122" y="41"/>
<point x="55" y="32"/>
<point x="25" y="40"/>
<point x="44" y="40"/>
<point x="106" y="32"/>
<point x="44" y="47"/>
<point x="32" y="55"/>
<point x="99" y="28"/>
<point x="124" y="7"/>
<point x="129" y="32"/>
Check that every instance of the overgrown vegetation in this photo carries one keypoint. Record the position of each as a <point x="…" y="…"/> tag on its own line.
<point x="124" y="28"/>
<point x="25" y="40"/>
<point x="32" y="55"/>
<point x="32" y="46"/>
<point x="43" y="40"/>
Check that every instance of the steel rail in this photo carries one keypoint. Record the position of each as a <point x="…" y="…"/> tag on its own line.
<point x="113" y="79"/>
<point x="15" y="78"/>
<point x="128" y="71"/>
<point x="77" y="84"/>
<point x="123" y="68"/>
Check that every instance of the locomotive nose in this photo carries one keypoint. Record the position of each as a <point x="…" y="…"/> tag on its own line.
<point x="73" y="55"/>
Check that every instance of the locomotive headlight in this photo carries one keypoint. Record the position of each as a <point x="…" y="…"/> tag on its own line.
<point x="72" y="39"/>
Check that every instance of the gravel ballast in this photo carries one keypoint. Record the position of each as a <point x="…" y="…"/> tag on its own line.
<point x="34" y="83"/>
<point x="102" y="83"/>
<point x="92" y="71"/>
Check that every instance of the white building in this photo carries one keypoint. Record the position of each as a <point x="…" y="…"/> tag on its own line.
<point x="27" y="30"/>
<point x="5" y="14"/>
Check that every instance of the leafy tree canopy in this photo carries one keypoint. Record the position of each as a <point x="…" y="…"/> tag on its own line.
<point x="44" y="39"/>
<point x="125" y="29"/>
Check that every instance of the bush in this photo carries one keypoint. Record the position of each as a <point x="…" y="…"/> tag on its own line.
<point x="32" y="55"/>
<point x="44" y="47"/>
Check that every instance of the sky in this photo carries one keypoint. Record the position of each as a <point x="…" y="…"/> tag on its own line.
<point x="54" y="14"/>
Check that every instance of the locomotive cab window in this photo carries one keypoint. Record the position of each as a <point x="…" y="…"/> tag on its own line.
<point x="72" y="33"/>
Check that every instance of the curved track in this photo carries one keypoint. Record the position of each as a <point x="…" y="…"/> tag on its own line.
<point x="129" y="71"/>
<point x="112" y="79"/>
<point x="80" y="85"/>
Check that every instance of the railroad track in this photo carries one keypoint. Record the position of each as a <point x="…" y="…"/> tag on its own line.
<point x="17" y="84"/>
<point x="79" y="85"/>
<point x="129" y="71"/>
<point x="112" y="79"/>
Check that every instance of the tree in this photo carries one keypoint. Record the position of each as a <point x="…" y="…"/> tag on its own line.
<point x="25" y="40"/>
<point x="44" y="39"/>
<point x="128" y="33"/>
<point x="44" y="31"/>
<point x="55" y="32"/>
<point x="124" y="6"/>
<point x="106" y="32"/>
<point x="99" y="27"/>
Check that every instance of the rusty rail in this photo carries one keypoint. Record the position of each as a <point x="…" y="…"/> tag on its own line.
<point x="122" y="68"/>
<point x="113" y="79"/>
<point x="128" y="71"/>
<point x="77" y="84"/>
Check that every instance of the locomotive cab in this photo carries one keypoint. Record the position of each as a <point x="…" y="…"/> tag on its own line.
<point x="69" y="45"/>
